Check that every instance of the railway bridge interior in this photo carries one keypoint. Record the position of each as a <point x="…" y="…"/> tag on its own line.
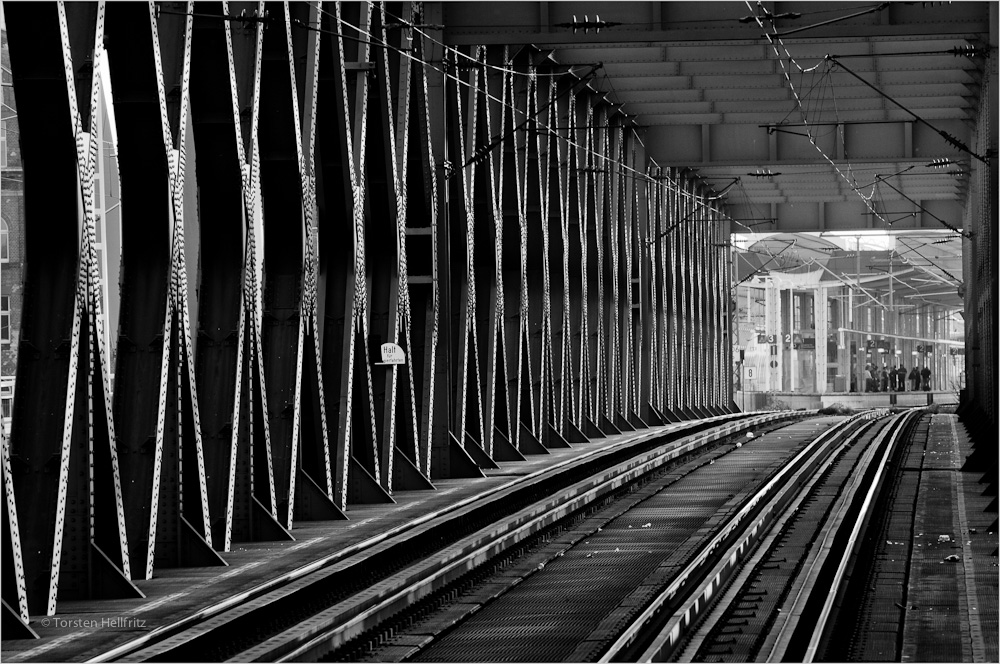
<point x="365" y="248"/>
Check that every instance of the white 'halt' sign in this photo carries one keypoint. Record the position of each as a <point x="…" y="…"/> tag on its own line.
<point x="392" y="354"/>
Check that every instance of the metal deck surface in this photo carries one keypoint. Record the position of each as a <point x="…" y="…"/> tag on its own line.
<point x="952" y="611"/>
<point x="600" y="584"/>
<point x="83" y="629"/>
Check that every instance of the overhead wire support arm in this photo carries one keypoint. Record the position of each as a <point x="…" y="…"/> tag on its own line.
<point x="483" y="152"/>
<point x="761" y="268"/>
<point x="951" y="140"/>
<point x="885" y="180"/>
<point x="874" y="9"/>
<point x="692" y="213"/>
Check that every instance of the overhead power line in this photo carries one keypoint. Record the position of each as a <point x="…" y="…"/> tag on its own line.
<point x="951" y="140"/>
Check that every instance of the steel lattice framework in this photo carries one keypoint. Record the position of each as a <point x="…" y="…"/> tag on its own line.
<point x="295" y="197"/>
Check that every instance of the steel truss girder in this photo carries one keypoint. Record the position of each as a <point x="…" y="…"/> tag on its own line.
<point x="586" y="297"/>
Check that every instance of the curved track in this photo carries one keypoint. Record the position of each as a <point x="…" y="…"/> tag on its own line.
<point x="572" y="593"/>
<point x="356" y="589"/>
<point x="619" y="558"/>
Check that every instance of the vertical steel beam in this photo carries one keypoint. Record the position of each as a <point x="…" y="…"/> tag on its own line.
<point x="283" y="239"/>
<point x="65" y="468"/>
<point x="417" y="199"/>
<point x="491" y="291"/>
<point x="413" y="319"/>
<point x="180" y="494"/>
<point x="612" y="224"/>
<point x="358" y="441"/>
<point x="512" y="224"/>
<point x="676" y="320"/>
<point x="590" y="251"/>
<point x="310" y="493"/>
<point x="548" y="181"/>
<point x="215" y="133"/>
<point x="251" y="504"/>
<point x="534" y="255"/>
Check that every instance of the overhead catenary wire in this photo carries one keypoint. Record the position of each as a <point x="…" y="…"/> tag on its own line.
<point x="639" y="175"/>
<point x="798" y="101"/>
<point x="951" y="140"/>
<point x="371" y="40"/>
<point x="949" y="226"/>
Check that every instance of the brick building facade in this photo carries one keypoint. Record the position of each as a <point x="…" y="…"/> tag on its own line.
<point x="11" y="237"/>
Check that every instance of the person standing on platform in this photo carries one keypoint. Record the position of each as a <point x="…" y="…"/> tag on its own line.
<point x="914" y="379"/>
<point x="885" y="379"/>
<point x="925" y="378"/>
<point x="901" y="378"/>
<point x="893" y="383"/>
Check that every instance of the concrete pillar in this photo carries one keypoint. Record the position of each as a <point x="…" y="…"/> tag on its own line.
<point x="821" y="310"/>
<point x="772" y="313"/>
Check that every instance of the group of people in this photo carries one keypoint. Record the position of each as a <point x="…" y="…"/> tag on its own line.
<point x="894" y="380"/>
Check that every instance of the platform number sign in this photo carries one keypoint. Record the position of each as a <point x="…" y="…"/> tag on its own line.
<point x="749" y="373"/>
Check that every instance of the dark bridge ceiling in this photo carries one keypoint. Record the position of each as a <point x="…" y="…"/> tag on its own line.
<point x="709" y="93"/>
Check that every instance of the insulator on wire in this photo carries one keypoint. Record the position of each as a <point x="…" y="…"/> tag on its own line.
<point x="968" y="51"/>
<point x="586" y="24"/>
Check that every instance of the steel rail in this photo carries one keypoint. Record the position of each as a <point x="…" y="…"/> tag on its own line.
<point x="433" y="575"/>
<point x="889" y="439"/>
<point x="239" y="599"/>
<point x="196" y="624"/>
<point x="697" y="639"/>
<point x="746" y="524"/>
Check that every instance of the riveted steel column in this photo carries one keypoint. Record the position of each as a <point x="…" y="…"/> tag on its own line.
<point x="512" y="246"/>
<point x="610" y="238"/>
<point x="564" y="107"/>
<point x="649" y="244"/>
<point x="283" y="236"/>
<point x="464" y="376"/>
<point x="674" y="290"/>
<point x="684" y="301"/>
<point x="61" y="468"/>
<point x="574" y="260"/>
<point x="623" y="236"/>
<point x="643" y="313"/>
<point x="229" y="362"/>
<point x="346" y="347"/>
<point x="694" y="227"/>
<point x="556" y="251"/>
<point x="589" y="268"/>
<point x="491" y="182"/>
<point x="631" y="327"/>
<point x="418" y="269"/>
<point x="720" y="364"/>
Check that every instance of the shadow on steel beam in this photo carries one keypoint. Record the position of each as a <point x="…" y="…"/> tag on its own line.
<point x="529" y="444"/>
<point x="503" y="450"/>
<point x="362" y="488"/>
<point x="406" y="475"/>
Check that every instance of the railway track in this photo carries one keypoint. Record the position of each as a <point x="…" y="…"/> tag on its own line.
<point x="769" y="612"/>
<point x="568" y="597"/>
<point x="627" y="565"/>
<point x="356" y="589"/>
<point x="534" y="604"/>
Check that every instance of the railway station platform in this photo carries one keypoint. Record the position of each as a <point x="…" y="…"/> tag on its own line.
<point x="85" y="630"/>
<point x="750" y="401"/>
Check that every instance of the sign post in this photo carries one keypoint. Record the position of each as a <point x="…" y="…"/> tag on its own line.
<point x="749" y="375"/>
